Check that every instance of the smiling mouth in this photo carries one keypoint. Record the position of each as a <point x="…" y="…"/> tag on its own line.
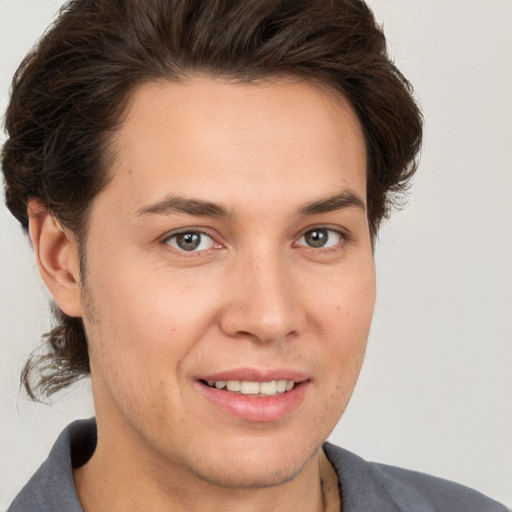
<point x="243" y="387"/>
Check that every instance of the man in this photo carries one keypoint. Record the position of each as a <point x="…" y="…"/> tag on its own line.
<point x="203" y="184"/>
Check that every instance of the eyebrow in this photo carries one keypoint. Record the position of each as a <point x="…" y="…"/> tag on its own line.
<point x="198" y="207"/>
<point x="342" y="200"/>
<point x="175" y="204"/>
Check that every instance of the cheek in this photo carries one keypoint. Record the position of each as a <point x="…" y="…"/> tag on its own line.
<point x="343" y="323"/>
<point x="136" y="346"/>
<point x="345" y="306"/>
<point x="150" y="316"/>
<point x="346" y="313"/>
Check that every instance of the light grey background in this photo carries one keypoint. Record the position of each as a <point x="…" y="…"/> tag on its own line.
<point x="436" y="391"/>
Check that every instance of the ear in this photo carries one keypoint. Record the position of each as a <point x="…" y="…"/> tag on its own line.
<point x="57" y="258"/>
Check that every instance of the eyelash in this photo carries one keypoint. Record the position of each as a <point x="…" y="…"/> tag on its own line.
<point x="343" y="239"/>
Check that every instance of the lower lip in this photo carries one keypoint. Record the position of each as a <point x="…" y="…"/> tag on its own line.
<point x="262" y="409"/>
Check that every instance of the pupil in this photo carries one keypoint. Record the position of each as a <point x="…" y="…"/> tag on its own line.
<point x="316" y="238"/>
<point x="188" y="241"/>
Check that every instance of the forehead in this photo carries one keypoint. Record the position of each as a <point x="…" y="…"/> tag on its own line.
<point x="193" y="136"/>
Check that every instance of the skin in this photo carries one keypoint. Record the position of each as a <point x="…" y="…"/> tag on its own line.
<point x="255" y="294"/>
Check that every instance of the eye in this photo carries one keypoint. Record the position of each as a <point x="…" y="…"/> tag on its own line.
<point x="320" y="238"/>
<point x="190" y="241"/>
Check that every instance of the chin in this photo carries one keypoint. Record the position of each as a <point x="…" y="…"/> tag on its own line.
<point x="251" y="477"/>
<point x="259" y="467"/>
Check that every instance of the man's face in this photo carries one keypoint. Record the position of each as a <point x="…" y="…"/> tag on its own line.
<point x="232" y="245"/>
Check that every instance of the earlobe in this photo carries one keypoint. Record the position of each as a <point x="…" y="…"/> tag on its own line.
<point x="57" y="257"/>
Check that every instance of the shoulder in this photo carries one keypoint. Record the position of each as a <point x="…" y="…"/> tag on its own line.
<point x="371" y="486"/>
<point x="52" y="488"/>
<point x="411" y="487"/>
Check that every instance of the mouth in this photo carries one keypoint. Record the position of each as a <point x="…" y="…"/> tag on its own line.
<point x="244" y="387"/>
<point x="256" y="396"/>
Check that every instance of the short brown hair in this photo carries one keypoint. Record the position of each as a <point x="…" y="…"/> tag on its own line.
<point x="70" y="93"/>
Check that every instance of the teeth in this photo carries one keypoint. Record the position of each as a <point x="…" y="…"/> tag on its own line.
<point x="244" y="387"/>
<point x="281" y="386"/>
<point x="233" y="385"/>
<point x="268" y="388"/>
<point x="249" y="388"/>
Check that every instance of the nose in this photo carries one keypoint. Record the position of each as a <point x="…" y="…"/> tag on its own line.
<point x="264" y="301"/>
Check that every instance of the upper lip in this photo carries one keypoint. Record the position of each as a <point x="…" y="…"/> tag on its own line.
<point x="257" y="375"/>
